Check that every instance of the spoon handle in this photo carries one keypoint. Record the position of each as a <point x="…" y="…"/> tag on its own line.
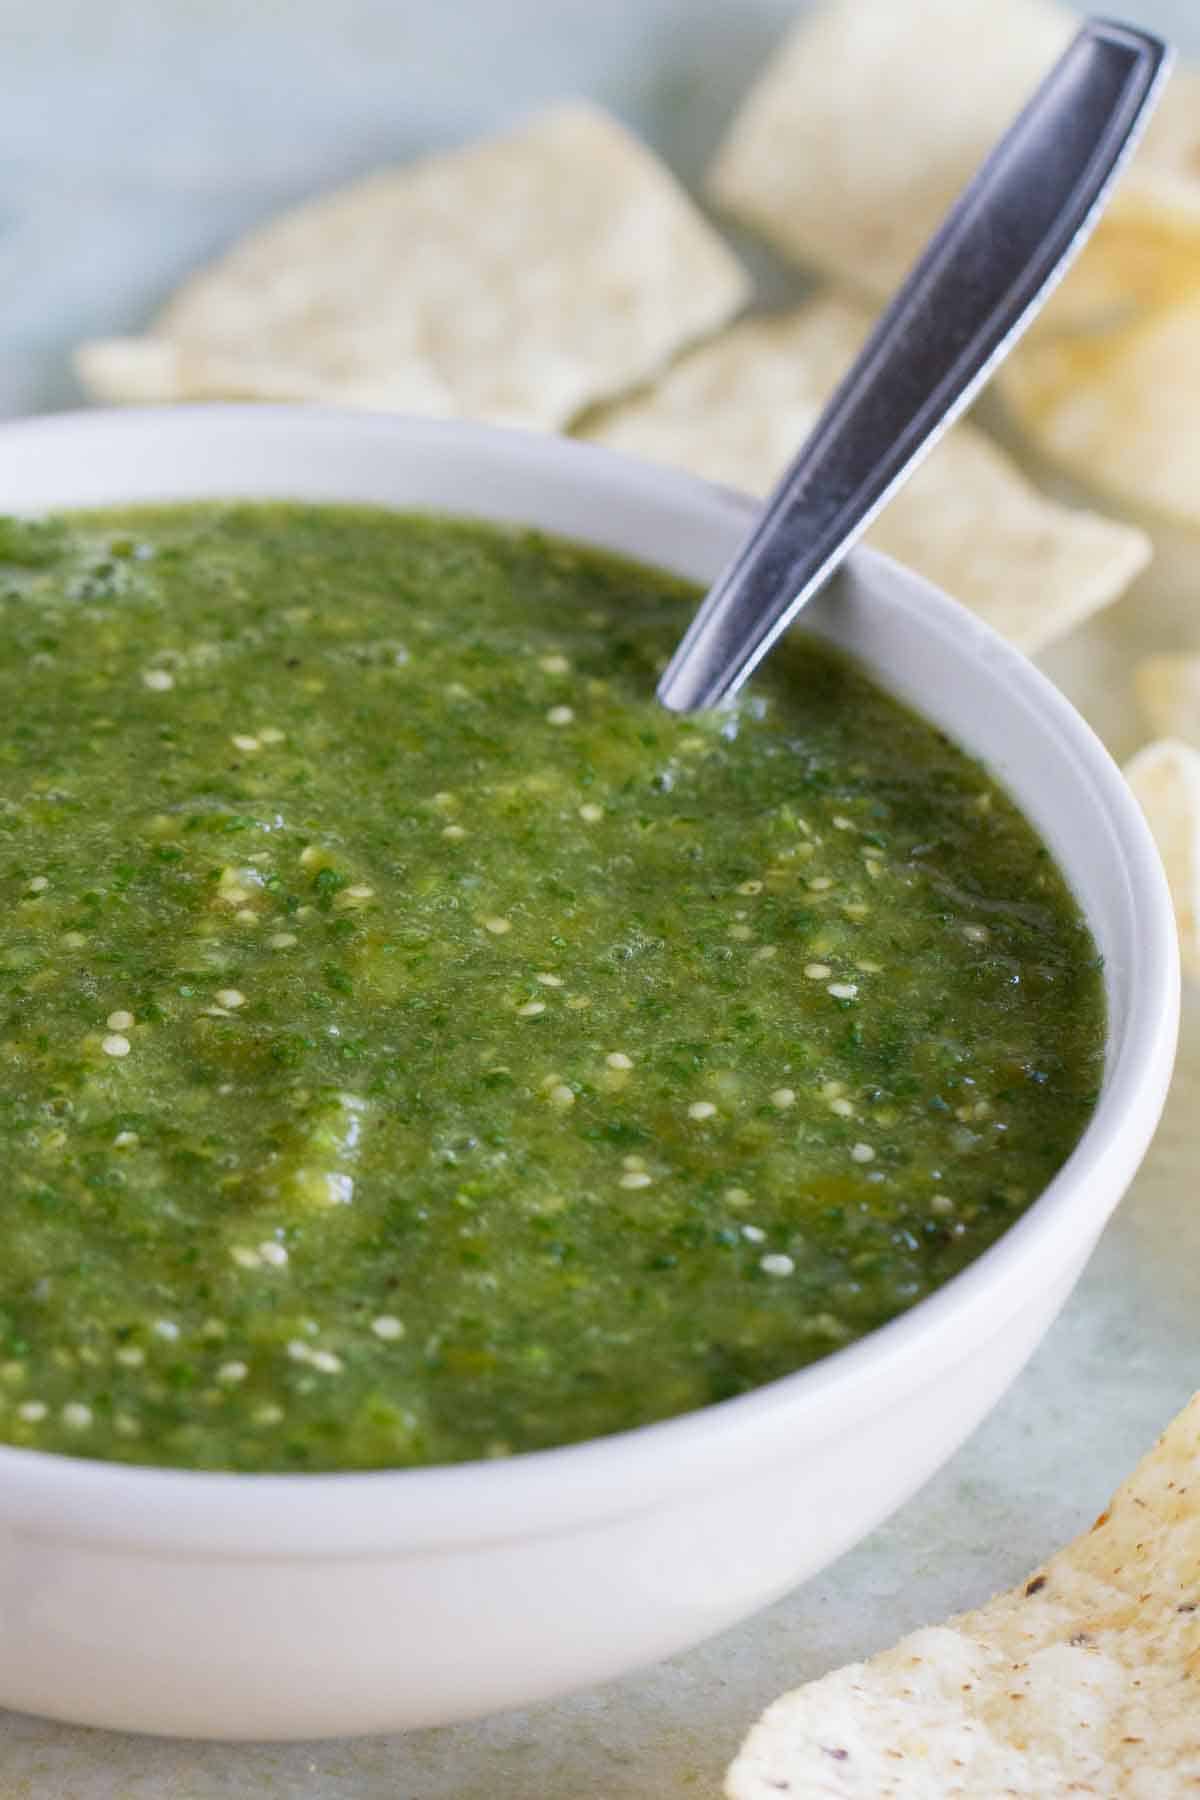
<point x="993" y="261"/>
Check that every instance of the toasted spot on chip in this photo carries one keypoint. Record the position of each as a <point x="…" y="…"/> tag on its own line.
<point x="735" y="409"/>
<point x="1081" y="1680"/>
<point x="519" y="279"/>
<point x="1165" y="776"/>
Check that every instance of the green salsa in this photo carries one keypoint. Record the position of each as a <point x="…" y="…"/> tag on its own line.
<point x="416" y="1045"/>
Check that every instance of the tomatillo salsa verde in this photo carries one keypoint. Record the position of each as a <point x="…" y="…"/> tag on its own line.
<point x="417" y="1045"/>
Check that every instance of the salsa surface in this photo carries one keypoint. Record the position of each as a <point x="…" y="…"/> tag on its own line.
<point x="417" y="1045"/>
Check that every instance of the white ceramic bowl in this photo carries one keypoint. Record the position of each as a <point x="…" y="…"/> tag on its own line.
<point x="287" y="1606"/>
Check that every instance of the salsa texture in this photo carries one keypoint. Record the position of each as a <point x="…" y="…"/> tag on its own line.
<point x="416" y="1045"/>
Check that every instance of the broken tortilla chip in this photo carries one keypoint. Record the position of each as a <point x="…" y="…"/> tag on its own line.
<point x="1080" y="1681"/>
<point x="519" y="279"/>
<point x="858" y="137"/>
<point x="1168" y="696"/>
<point x="1165" y="776"/>
<point x="736" y="410"/>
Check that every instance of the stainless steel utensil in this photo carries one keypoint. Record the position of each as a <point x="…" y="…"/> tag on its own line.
<point x="990" y="266"/>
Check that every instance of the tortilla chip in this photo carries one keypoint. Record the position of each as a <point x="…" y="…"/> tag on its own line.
<point x="1165" y="176"/>
<point x="151" y="370"/>
<point x="869" y="121"/>
<point x="519" y="279"/>
<point x="1145" y="252"/>
<point x="1083" y="1680"/>
<point x="872" y="119"/>
<point x="1107" y="385"/>
<point x="1165" y="776"/>
<point x="736" y="410"/>
<point x="1118" y="410"/>
<point x="1168" y="694"/>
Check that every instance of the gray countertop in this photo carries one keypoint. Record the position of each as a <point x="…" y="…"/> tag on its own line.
<point x="135" y="137"/>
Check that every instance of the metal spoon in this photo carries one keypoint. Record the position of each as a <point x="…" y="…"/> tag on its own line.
<point x="990" y="266"/>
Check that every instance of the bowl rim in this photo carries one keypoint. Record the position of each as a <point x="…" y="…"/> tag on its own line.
<point x="347" y="1513"/>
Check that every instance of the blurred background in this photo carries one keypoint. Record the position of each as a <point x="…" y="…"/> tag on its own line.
<point x="138" y="136"/>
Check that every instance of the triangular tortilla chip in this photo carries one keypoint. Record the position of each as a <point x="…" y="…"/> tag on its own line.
<point x="1165" y="776"/>
<point x="737" y="408"/>
<point x="1082" y="1681"/>
<point x="519" y="279"/>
